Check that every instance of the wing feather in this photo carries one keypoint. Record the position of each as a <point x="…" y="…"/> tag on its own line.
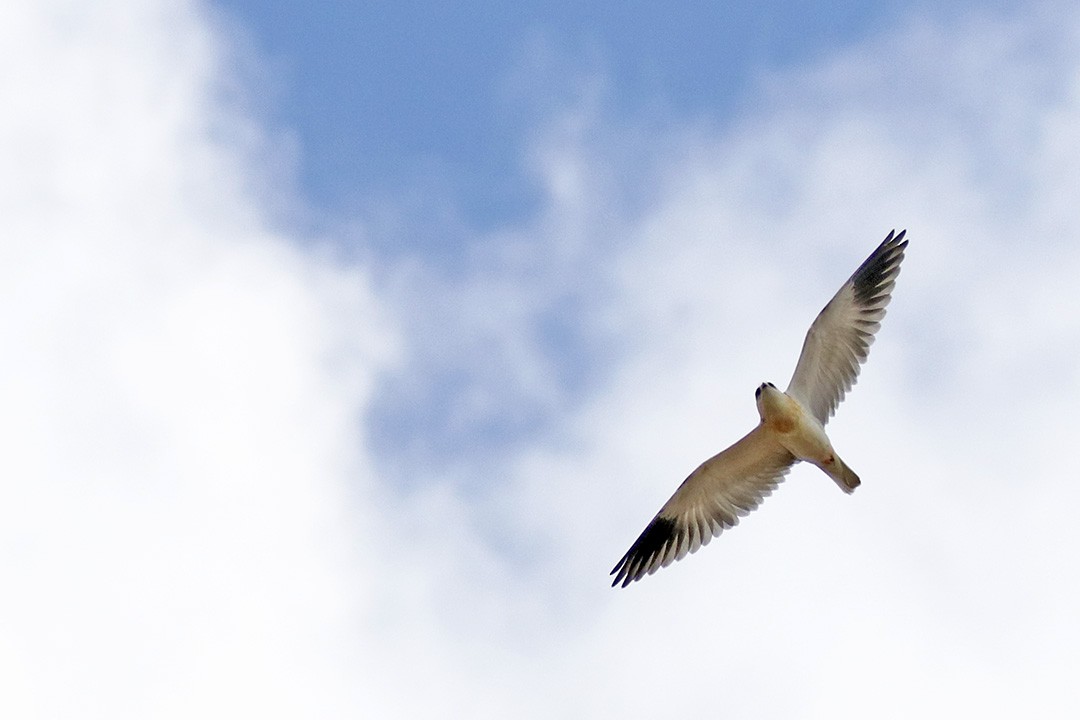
<point x="713" y="498"/>
<point x="840" y="337"/>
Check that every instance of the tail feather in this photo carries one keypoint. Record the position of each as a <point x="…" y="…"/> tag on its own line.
<point x="844" y="476"/>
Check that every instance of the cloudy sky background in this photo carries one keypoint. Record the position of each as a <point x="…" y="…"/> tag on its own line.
<point x="346" y="352"/>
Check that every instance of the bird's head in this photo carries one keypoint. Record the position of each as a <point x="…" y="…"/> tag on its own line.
<point x="764" y="390"/>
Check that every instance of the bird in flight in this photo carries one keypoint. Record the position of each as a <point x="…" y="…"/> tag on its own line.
<point x="792" y="428"/>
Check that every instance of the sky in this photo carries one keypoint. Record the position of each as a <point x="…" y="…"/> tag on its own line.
<point x="348" y="349"/>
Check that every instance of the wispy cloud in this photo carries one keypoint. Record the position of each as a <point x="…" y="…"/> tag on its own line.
<point x="912" y="595"/>
<point x="243" y="476"/>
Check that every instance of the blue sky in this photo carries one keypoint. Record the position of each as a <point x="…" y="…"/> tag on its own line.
<point x="406" y="98"/>
<point x="347" y="353"/>
<point x="433" y="109"/>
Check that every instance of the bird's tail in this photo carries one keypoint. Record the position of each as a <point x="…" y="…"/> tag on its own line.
<point x="844" y="476"/>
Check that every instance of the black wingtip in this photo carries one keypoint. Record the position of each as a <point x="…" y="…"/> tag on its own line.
<point x="894" y="238"/>
<point x="642" y="554"/>
<point x="880" y="267"/>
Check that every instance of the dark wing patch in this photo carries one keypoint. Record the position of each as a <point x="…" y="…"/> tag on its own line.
<point x="872" y="277"/>
<point x="660" y="532"/>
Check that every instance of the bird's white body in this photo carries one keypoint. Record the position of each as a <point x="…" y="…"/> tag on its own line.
<point x="797" y="430"/>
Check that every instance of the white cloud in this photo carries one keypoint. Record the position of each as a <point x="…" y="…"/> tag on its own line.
<point x="192" y="524"/>
<point x="182" y="391"/>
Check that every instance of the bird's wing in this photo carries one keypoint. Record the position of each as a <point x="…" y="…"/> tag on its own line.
<point x="840" y="337"/>
<point x="712" y="499"/>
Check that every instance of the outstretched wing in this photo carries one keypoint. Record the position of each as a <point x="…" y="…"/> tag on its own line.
<point x="839" y="339"/>
<point x="722" y="489"/>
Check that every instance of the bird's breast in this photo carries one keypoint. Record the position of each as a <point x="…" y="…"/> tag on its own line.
<point x="781" y="423"/>
<point x="780" y="412"/>
<point x="796" y="429"/>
